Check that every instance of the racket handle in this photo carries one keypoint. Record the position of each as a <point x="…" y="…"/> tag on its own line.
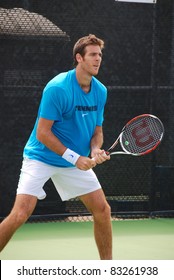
<point x="104" y="153"/>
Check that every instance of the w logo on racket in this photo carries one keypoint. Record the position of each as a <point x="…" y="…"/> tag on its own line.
<point x="142" y="134"/>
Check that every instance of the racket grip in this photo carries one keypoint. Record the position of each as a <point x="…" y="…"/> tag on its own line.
<point x="104" y="153"/>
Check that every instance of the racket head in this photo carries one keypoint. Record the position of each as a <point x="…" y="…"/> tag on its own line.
<point x="141" y="135"/>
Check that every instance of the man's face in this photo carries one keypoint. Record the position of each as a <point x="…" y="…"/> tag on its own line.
<point x="90" y="62"/>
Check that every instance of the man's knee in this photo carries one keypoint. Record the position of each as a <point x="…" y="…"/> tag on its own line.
<point x="103" y="212"/>
<point x="107" y="210"/>
<point x="23" y="208"/>
<point x="20" y="216"/>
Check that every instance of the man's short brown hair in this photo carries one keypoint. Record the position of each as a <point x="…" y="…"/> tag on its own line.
<point x="81" y="44"/>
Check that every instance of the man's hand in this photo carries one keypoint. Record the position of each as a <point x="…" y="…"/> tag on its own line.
<point x="99" y="156"/>
<point x="85" y="163"/>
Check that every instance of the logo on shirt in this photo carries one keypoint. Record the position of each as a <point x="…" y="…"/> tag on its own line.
<point x="86" y="108"/>
<point x="83" y="115"/>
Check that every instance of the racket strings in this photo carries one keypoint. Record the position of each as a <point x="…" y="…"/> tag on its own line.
<point x="142" y="134"/>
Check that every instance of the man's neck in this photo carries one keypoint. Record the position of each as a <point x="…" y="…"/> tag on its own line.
<point x="84" y="80"/>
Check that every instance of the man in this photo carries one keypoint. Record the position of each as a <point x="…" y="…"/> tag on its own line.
<point x="68" y="129"/>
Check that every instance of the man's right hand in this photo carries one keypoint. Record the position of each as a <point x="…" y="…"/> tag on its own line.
<point x="85" y="163"/>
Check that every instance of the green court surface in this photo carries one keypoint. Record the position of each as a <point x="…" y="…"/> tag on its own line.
<point x="148" y="239"/>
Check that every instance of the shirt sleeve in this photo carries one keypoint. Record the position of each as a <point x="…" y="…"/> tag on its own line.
<point x="52" y="104"/>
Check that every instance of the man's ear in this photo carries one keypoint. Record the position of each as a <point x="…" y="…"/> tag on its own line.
<point x="78" y="57"/>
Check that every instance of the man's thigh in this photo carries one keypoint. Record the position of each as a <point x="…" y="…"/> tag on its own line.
<point x="94" y="201"/>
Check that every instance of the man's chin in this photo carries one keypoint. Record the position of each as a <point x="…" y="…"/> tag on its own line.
<point x="95" y="73"/>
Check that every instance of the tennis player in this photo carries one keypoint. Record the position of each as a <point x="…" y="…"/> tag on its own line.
<point x="65" y="145"/>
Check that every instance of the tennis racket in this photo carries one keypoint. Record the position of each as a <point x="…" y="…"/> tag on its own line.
<point x="140" y="136"/>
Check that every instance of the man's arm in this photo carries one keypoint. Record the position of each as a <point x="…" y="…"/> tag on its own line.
<point x="47" y="137"/>
<point x="96" y="143"/>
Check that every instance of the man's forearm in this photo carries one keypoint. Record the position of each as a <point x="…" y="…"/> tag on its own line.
<point x="97" y="139"/>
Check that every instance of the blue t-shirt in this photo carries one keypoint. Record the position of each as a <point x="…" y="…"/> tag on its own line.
<point x="75" y="114"/>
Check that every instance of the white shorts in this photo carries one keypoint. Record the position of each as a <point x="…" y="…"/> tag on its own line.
<point x="69" y="182"/>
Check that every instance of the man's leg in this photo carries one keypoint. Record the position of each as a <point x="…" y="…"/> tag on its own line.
<point x="22" y="210"/>
<point x="96" y="203"/>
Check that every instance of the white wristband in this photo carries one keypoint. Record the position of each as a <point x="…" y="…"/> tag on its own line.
<point x="70" y="156"/>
